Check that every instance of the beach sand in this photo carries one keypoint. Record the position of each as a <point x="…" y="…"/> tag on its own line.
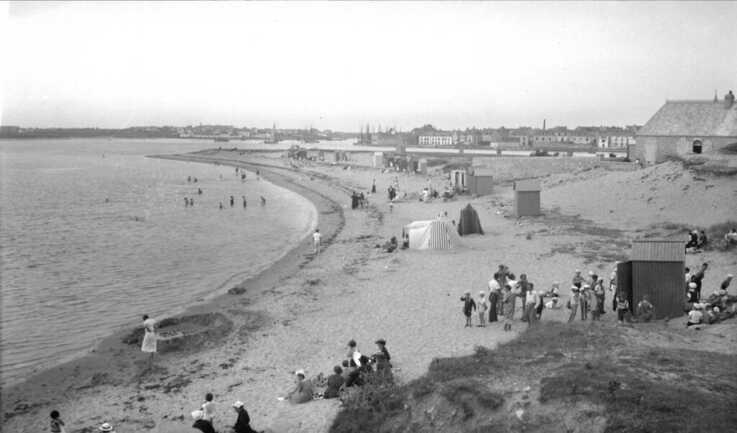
<point x="301" y="312"/>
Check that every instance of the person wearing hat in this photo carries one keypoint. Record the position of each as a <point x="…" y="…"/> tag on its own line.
<point x="508" y="301"/>
<point x="577" y="279"/>
<point x="302" y="392"/>
<point x="105" y="427"/>
<point x="149" y="339"/>
<point x="585" y="301"/>
<point x="200" y="423"/>
<point x="481" y="308"/>
<point x="698" y="278"/>
<point x="494" y="291"/>
<point x="243" y="422"/>
<point x="531" y="300"/>
<point x="381" y="344"/>
<point x="469" y="306"/>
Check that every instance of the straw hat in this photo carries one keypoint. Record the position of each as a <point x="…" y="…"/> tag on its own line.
<point x="482" y="293"/>
<point x="692" y="285"/>
<point x="238" y="404"/>
<point x="300" y="372"/>
<point x="106" y="427"/>
<point x="196" y="415"/>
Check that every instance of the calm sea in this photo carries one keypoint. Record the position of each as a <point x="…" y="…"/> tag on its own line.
<point x="93" y="235"/>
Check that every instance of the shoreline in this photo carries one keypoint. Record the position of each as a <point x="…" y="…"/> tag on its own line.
<point x="92" y="368"/>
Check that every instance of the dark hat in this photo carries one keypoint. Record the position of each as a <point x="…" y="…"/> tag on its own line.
<point x="380" y="341"/>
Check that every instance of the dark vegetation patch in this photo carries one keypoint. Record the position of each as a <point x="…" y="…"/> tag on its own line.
<point x="557" y="373"/>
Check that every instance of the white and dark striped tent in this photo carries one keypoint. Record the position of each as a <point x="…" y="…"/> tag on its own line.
<point x="436" y="234"/>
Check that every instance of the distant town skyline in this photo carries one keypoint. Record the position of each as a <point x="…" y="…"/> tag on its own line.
<point x="341" y="66"/>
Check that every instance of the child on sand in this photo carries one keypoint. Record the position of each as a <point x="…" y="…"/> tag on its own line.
<point x="57" y="425"/>
<point x="481" y="308"/>
<point x="623" y="306"/>
<point x="573" y="303"/>
<point x="468" y="307"/>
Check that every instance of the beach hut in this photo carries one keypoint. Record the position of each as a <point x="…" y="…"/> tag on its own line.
<point x="458" y="179"/>
<point x="378" y="160"/>
<point x="469" y="222"/>
<point x="481" y="182"/>
<point x="432" y="234"/>
<point x="422" y="166"/>
<point x="527" y="198"/>
<point x="655" y="269"/>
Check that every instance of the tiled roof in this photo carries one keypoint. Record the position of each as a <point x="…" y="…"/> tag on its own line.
<point x="693" y="118"/>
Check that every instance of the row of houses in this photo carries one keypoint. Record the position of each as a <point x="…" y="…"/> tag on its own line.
<point x="449" y="139"/>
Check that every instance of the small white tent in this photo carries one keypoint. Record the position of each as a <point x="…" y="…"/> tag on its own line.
<point x="433" y="234"/>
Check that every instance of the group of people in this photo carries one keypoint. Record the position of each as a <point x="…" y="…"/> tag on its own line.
<point x="500" y="301"/>
<point x="358" y="200"/>
<point x="353" y="371"/>
<point x="696" y="240"/>
<point x="205" y="415"/>
<point x="731" y="237"/>
<point x="718" y="306"/>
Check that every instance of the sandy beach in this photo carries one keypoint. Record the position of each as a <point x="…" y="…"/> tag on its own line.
<point x="301" y="312"/>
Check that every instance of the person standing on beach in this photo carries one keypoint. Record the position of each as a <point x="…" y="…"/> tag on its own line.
<point x="573" y="303"/>
<point x="481" y="308"/>
<point x="469" y="306"/>
<point x="221" y="205"/>
<point x="531" y="300"/>
<point x="585" y="301"/>
<point x="316" y="237"/>
<point x="191" y="201"/>
<point x="494" y="289"/>
<point x="245" y="204"/>
<point x="577" y="279"/>
<point x="149" y="339"/>
<point x="698" y="278"/>
<point x="232" y="201"/>
<point x="57" y="425"/>
<point x="373" y="187"/>
<point x="599" y="293"/>
<point x="263" y="201"/>
<point x="508" y="300"/>
<point x="186" y="202"/>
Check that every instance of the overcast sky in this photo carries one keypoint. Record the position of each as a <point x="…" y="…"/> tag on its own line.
<point x="340" y="65"/>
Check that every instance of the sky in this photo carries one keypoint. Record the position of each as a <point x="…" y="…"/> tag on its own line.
<point x="341" y="65"/>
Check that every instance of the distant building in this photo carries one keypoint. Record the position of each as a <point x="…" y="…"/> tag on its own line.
<point x="687" y="127"/>
<point x="561" y="138"/>
<point x="435" y="140"/>
<point x="615" y="141"/>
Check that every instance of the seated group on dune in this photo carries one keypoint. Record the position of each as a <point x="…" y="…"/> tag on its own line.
<point x="356" y="369"/>
<point x="717" y="307"/>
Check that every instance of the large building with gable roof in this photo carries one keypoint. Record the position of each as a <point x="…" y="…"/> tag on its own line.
<point x="682" y="128"/>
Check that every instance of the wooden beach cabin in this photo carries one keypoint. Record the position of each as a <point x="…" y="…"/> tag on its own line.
<point x="527" y="198"/>
<point x="656" y="269"/>
<point x="481" y="182"/>
<point x="378" y="160"/>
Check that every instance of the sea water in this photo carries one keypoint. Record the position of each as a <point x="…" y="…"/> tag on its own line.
<point x="93" y="234"/>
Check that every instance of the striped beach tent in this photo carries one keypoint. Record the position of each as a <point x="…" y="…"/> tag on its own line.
<point x="432" y="234"/>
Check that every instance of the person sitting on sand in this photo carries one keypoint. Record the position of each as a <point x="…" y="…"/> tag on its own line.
<point x="243" y="422"/>
<point x="702" y="240"/>
<point x="57" y="425"/>
<point x="727" y="281"/>
<point x="731" y="237"/>
<point x="335" y="382"/>
<point x="469" y="306"/>
<point x="200" y="423"/>
<point x="149" y="339"/>
<point x="353" y="354"/>
<point x="694" y="316"/>
<point x="693" y="240"/>
<point x="351" y="375"/>
<point x="208" y="408"/>
<point x="645" y="310"/>
<point x="302" y="392"/>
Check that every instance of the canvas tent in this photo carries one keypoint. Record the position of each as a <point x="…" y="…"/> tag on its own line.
<point x="433" y="234"/>
<point x="469" y="223"/>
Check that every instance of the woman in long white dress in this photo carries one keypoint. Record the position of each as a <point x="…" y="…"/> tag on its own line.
<point x="149" y="338"/>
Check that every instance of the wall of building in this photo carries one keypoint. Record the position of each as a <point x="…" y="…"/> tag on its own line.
<point x="655" y="149"/>
<point x="662" y="283"/>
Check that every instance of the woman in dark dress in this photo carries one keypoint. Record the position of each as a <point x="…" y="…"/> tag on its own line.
<point x="243" y="423"/>
<point x="335" y="381"/>
<point x="201" y="424"/>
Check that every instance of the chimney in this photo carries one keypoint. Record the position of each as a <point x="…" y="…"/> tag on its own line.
<point x="544" y="124"/>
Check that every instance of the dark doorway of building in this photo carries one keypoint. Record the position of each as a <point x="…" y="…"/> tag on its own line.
<point x="697" y="147"/>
